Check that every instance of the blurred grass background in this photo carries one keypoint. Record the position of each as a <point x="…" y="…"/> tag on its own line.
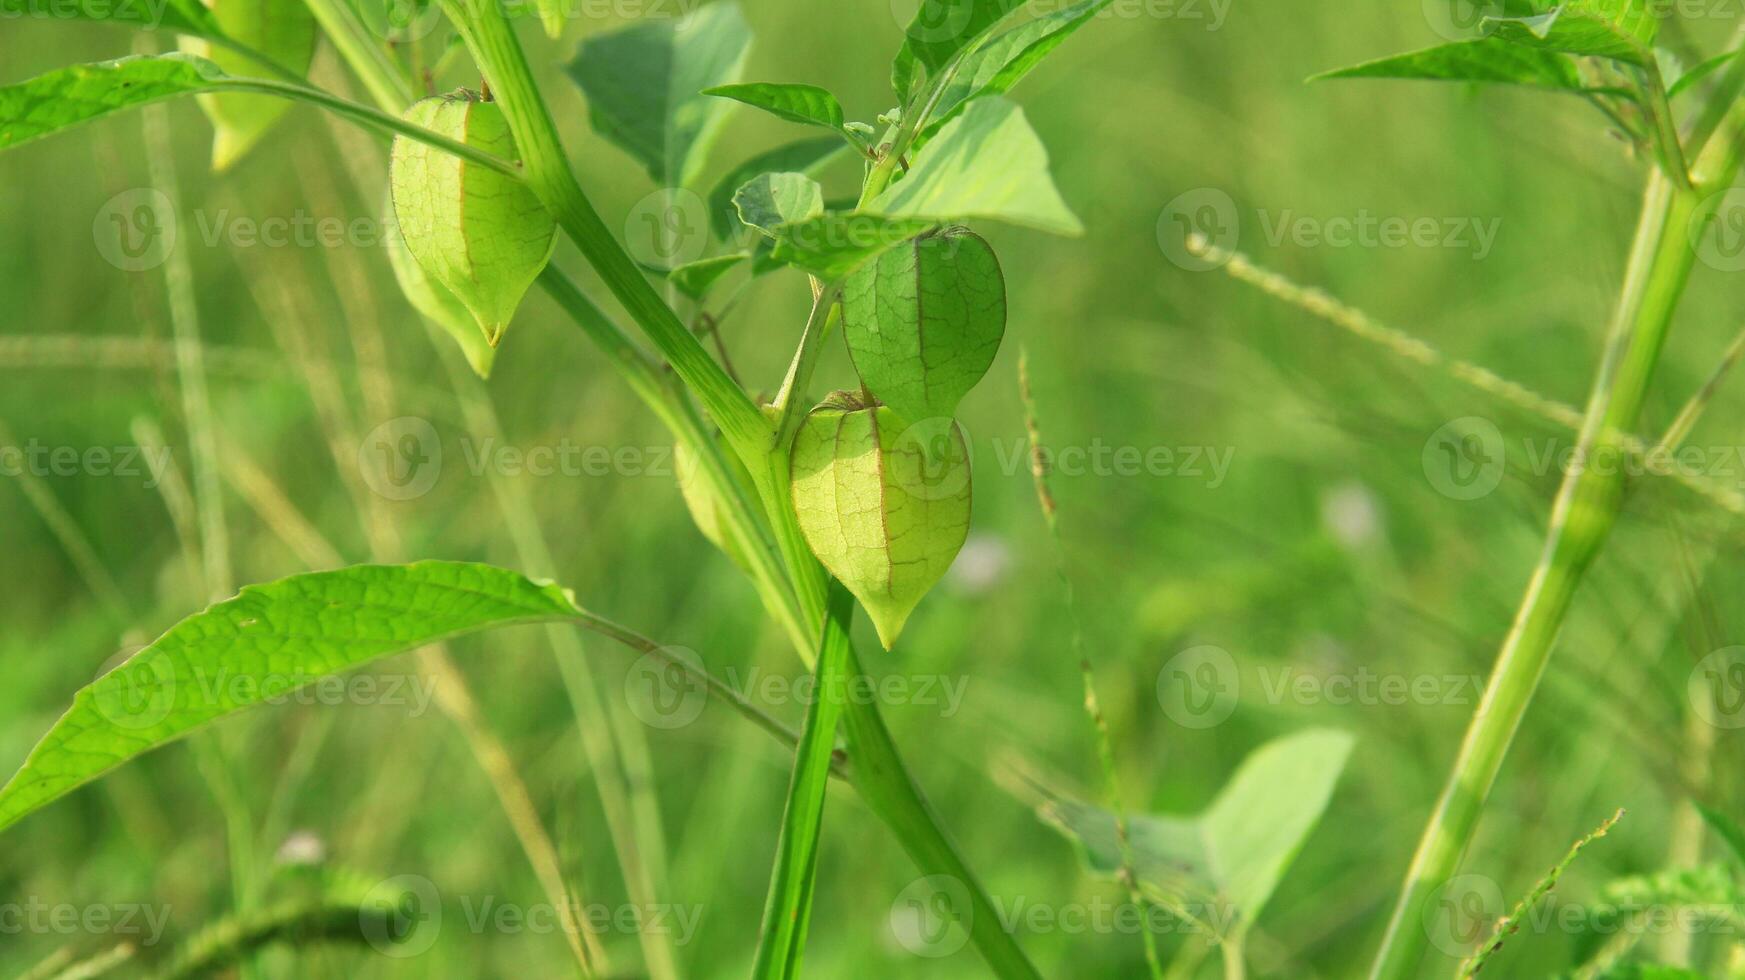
<point x="1326" y="550"/>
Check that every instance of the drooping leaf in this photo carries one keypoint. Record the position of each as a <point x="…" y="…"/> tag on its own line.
<point x="182" y="16"/>
<point x="694" y="278"/>
<point x="266" y="642"/>
<point x="282" y="30"/>
<point x="924" y="320"/>
<point x="644" y="86"/>
<point x="832" y="245"/>
<point x="769" y="201"/>
<point x="986" y="163"/>
<point x="1233" y="853"/>
<point x="883" y="505"/>
<point x="483" y="234"/>
<point x="808" y="105"/>
<point x="1007" y="56"/>
<point x="1483" y="60"/>
<point x="807" y="156"/>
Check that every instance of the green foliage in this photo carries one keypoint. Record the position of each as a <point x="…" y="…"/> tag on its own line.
<point x="924" y="320"/>
<point x="1230" y="856"/>
<point x="883" y="505"/>
<point x="182" y="16"/>
<point x="283" y="31"/>
<point x="708" y="510"/>
<point x="832" y="245"/>
<point x="68" y="96"/>
<point x="645" y="83"/>
<point x="695" y="278"/>
<point x="1484" y="60"/>
<point x="805" y="156"/>
<point x="1007" y="56"/>
<point x="480" y="233"/>
<point x="808" y="105"/>
<point x="269" y="640"/>
<point x="940" y="30"/>
<point x="769" y="201"/>
<point x="986" y="163"/>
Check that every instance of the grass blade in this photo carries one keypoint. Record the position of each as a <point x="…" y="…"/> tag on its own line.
<point x="790" y="896"/>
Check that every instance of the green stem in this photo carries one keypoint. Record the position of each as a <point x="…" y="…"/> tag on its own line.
<point x="387" y="84"/>
<point x="1582" y="518"/>
<point x="788" y="907"/>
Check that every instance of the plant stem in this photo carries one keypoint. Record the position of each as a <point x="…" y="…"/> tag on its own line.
<point x="1582" y="517"/>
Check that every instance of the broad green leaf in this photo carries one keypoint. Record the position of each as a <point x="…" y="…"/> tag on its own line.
<point x="1235" y="852"/>
<point x="644" y="86"/>
<point x="832" y="245"/>
<point x="283" y="31"/>
<point x="1006" y="57"/>
<point x="924" y="320"/>
<point x="806" y="156"/>
<point x="436" y="302"/>
<point x="885" y="506"/>
<point x="769" y="201"/>
<point x="182" y="16"/>
<point x="708" y="511"/>
<point x="808" y="105"/>
<point x="1484" y="60"/>
<point x="788" y="907"/>
<point x="1620" y="30"/>
<point x="269" y="640"/>
<point x="986" y="163"/>
<point x="694" y="278"/>
<point x="483" y="234"/>
<point x="80" y="93"/>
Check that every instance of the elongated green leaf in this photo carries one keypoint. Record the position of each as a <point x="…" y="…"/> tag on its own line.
<point x="1696" y="73"/>
<point x="788" y="907"/>
<point x="986" y="163"/>
<point x="266" y="642"/>
<point x="808" y="105"/>
<point x="1007" y="56"/>
<point x="769" y="201"/>
<point x="79" y="93"/>
<point x="183" y="16"/>
<point x="924" y="321"/>
<point x="644" y="86"/>
<point x="1233" y="853"/>
<point x="830" y="246"/>
<point x="1484" y="60"/>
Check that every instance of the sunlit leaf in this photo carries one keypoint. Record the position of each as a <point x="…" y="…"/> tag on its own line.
<point x="806" y="156"/>
<point x="1007" y="56"/>
<point x="805" y="104"/>
<point x="183" y="16"/>
<point x="1484" y="60"/>
<point x="769" y="201"/>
